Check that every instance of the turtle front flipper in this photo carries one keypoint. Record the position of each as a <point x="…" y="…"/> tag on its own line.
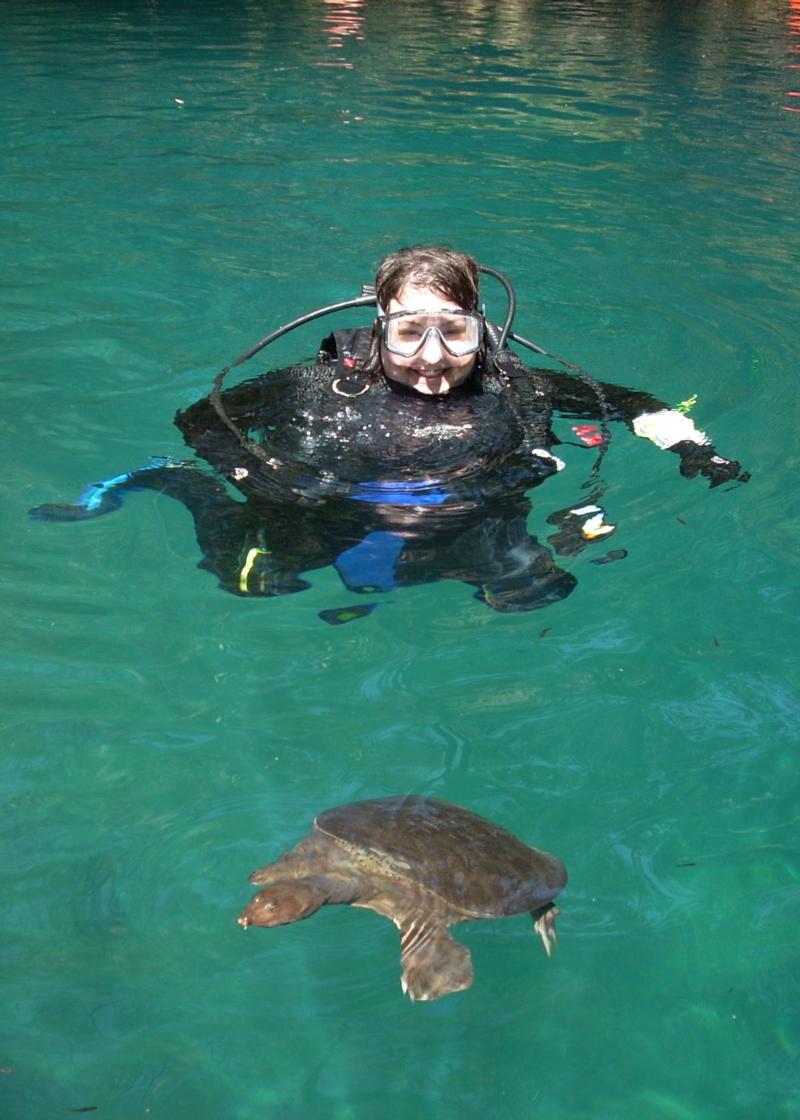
<point x="433" y="966"/>
<point x="544" y="922"/>
<point x="309" y="856"/>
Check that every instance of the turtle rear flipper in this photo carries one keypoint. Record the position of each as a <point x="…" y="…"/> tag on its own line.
<point x="436" y="968"/>
<point x="544" y="922"/>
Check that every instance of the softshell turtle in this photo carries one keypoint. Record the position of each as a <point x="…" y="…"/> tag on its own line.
<point x="425" y="865"/>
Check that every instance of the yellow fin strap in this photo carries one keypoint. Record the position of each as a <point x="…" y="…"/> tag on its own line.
<point x="247" y="567"/>
<point x="687" y="405"/>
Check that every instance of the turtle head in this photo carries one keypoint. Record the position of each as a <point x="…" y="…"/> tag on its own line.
<point x="283" y="903"/>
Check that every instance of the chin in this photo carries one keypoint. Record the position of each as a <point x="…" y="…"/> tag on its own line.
<point x="432" y="386"/>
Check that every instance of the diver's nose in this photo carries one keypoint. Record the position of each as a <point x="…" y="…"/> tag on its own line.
<point x="432" y="350"/>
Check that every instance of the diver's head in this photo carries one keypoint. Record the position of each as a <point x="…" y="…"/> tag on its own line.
<point x="428" y="331"/>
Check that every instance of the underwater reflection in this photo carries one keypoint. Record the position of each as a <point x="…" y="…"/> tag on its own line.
<point x="376" y="543"/>
<point x="793" y="27"/>
<point x="343" y="20"/>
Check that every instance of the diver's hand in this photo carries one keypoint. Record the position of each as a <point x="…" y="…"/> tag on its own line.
<point x="701" y="458"/>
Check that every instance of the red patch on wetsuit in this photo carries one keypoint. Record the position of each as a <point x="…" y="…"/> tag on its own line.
<point x="588" y="434"/>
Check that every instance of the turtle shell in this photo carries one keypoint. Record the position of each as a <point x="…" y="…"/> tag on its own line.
<point x="468" y="862"/>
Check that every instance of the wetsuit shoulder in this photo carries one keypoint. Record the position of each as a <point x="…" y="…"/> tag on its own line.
<point x="350" y="346"/>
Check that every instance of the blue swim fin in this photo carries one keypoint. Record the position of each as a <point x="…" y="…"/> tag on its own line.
<point x="99" y="497"/>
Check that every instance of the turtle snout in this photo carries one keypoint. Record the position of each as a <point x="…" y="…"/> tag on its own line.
<point x="263" y="910"/>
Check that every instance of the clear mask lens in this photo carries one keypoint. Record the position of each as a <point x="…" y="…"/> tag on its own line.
<point x="407" y="332"/>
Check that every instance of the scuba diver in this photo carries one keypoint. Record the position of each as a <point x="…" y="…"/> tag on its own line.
<point x="404" y="454"/>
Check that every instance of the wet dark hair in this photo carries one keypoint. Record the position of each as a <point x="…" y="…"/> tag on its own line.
<point x="453" y="274"/>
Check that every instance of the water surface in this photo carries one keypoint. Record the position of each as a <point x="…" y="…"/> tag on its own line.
<point x="177" y="181"/>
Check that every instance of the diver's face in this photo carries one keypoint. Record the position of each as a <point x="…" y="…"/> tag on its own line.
<point x="432" y="371"/>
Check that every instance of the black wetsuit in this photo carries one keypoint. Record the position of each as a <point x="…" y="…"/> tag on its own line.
<point x="390" y="486"/>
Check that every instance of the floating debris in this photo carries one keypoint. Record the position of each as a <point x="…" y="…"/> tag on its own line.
<point x="337" y="616"/>
<point x="610" y="557"/>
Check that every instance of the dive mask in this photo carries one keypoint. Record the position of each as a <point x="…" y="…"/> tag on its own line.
<point x="406" y="332"/>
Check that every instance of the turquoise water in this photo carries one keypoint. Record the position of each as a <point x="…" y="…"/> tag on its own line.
<point x="178" y="180"/>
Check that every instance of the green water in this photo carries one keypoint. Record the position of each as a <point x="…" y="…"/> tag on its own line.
<point x="179" y="179"/>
